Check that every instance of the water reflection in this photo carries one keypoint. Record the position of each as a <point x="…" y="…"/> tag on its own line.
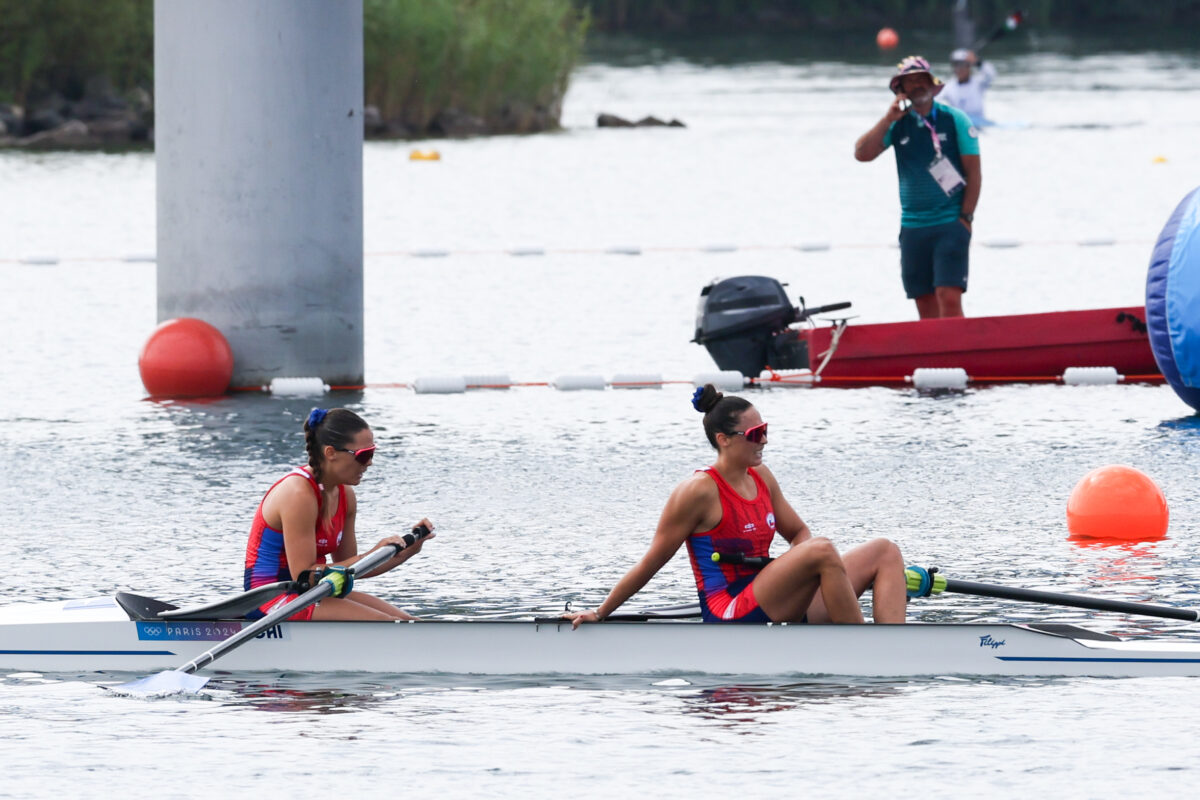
<point x="278" y="696"/>
<point x="749" y="703"/>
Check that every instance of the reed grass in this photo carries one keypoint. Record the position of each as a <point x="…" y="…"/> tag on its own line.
<point x="57" y="46"/>
<point x="421" y="57"/>
<point x="480" y="57"/>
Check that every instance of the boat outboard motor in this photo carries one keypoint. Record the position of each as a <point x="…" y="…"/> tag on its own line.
<point x="743" y="323"/>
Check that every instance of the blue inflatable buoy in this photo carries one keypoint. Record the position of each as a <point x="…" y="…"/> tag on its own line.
<point x="1173" y="300"/>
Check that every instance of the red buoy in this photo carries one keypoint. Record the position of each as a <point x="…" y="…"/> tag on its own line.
<point x="186" y="357"/>
<point x="887" y="39"/>
<point x="1117" y="502"/>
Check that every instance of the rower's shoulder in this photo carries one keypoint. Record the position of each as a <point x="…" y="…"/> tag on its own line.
<point x="697" y="485"/>
<point x="768" y="477"/>
<point x="293" y="487"/>
<point x="764" y="472"/>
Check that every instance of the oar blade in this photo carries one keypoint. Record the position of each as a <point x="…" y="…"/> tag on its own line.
<point x="164" y="684"/>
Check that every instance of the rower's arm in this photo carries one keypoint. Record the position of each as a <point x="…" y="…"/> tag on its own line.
<point x="787" y="522"/>
<point x="683" y="514"/>
<point x="297" y="508"/>
<point x="347" y="552"/>
<point x="347" y="549"/>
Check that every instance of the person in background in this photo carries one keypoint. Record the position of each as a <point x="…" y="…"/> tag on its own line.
<point x="733" y="510"/>
<point x="309" y="515"/>
<point x="937" y="159"/>
<point x="972" y="79"/>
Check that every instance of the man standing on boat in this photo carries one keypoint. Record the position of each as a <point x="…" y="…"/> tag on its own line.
<point x="937" y="159"/>
<point x="972" y="79"/>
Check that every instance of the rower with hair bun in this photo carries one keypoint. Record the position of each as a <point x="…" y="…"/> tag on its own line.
<point x="309" y="515"/>
<point x="728" y="513"/>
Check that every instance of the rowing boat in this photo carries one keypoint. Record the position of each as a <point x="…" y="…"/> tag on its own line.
<point x="133" y="633"/>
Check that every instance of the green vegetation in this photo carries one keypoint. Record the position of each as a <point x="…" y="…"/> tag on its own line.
<point x="499" y="60"/>
<point x="57" y="46"/>
<point x="503" y="62"/>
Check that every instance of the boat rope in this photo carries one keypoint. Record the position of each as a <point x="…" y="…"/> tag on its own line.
<point x="839" y="328"/>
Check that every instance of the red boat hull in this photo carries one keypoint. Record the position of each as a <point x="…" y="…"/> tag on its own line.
<point x="1008" y="348"/>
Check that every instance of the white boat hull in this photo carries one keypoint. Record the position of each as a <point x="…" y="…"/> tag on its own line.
<point x="97" y="635"/>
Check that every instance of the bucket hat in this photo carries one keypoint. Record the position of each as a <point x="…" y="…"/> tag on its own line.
<point x="913" y="65"/>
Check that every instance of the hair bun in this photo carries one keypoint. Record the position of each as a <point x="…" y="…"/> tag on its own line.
<point x="704" y="399"/>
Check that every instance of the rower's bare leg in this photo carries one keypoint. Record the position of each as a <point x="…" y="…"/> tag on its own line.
<point x="877" y="565"/>
<point x="371" y="601"/>
<point x="786" y="587"/>
<point x="343" y="608"/>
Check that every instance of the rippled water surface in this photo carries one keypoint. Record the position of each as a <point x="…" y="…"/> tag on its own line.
<point x="541" y="497"/>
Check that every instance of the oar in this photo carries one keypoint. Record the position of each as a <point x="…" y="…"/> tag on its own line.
<point x="922" y="583"/>
<point x="1011" y="23"/>
<point x="686" y="611"/>
<point x="182" y="680"/>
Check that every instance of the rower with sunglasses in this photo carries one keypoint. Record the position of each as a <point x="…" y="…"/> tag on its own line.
<point x="308" y="515"/>
<point x="728" y="513"/>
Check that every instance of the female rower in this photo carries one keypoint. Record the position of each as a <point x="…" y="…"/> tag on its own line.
<point x="309" y="514"/>
<point x="733" y="510"/>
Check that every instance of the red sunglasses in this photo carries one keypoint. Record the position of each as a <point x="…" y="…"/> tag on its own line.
<point x="362" y="456"/>
<point x="753" y="435"/>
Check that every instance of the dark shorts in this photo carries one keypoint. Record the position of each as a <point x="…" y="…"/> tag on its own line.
<point x="934" y="256"/>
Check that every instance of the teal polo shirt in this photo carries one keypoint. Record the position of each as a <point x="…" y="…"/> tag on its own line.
<point x="922" y="201"/>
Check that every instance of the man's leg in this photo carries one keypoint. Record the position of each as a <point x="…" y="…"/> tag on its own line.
<point x="916" y="269"/>
<point x="949" y="301"/>
<point x="950" y="265"/>
<point x="928" y="306"/>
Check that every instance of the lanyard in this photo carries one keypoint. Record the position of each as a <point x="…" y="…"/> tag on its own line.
<point x="937" y="145"/>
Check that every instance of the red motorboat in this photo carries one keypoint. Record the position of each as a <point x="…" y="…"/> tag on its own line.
<point x="748" y="325"/>
<point x="1020" y="347"/>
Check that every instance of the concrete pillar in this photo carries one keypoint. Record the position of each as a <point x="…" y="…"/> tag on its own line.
<point x="258" y="143"/>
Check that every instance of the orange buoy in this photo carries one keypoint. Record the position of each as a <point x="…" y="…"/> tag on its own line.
<point x="1117" y="502"/>
<point x="186" y="357"/>
<point x="887" y="39"/>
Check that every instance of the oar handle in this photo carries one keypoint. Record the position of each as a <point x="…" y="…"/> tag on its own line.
<point x="409" y="539"/>
<point x="741" y="558"/>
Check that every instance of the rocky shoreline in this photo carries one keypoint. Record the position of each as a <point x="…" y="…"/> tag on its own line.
<point x="103" y="119"/>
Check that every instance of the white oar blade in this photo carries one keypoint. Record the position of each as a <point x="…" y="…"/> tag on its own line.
<point x="164" y="684"/>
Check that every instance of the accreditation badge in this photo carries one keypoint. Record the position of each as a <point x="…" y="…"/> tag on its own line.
<point x="946" y="175"/>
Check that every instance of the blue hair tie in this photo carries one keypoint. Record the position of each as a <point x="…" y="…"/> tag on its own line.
<point x="696" y="399"/>
<point x="316" y="416"/>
